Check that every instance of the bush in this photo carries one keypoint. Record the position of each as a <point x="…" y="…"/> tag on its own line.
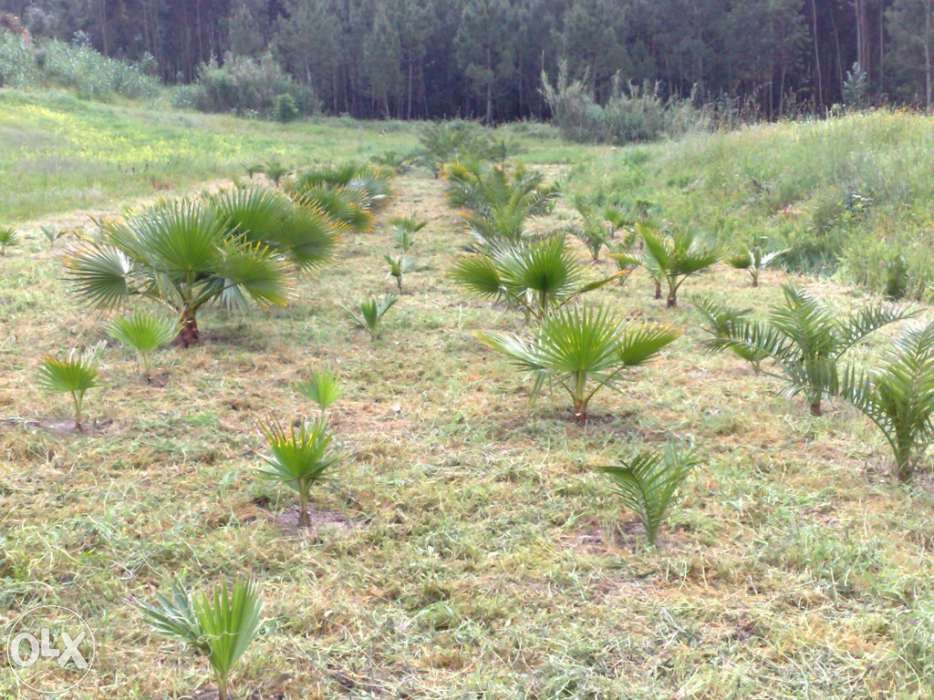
<point x="245" y="86"/>
<point x="638" y="113"/>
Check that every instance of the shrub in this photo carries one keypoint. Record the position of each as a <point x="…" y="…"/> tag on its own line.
<point x="442" y="142"/>
<point x="74" y="375"/>
<point x="247" y="85"/>
<point x="582" y="351"/>
<point x="298" y="458"/>
<point x="647" y="484"/>
<point x="145" y="334"/>
<point x="805" y="338"/>
<point x="538" y="277"/>
<point x="899" y="397"/>
<point x="219" y="626"/>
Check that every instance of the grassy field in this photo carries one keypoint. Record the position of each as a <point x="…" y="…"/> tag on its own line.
<point x="464" y="547"/>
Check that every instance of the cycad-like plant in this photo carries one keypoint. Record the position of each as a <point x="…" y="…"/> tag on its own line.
<point x="321" y="387"/>
<point x="805" y="338"/>
<point x="582" y="350"/>
<point x="298" y="458"/>
<point x="144" y="333"/>
<point x="219" y="626"/>
<point x="536" y="276"/>
<point x="74" y="375"/>
<point x="647" y="484"/>
<point x="724" y="322"/>
<point x="754" y="259"/>
<point x="369" y="313"/>
<point x="181" y="254"/>
<point x="399" y="265"/>
<point x="8" y="238"/>
<point x="898" y="397"/>
<point x="673" y="258"/>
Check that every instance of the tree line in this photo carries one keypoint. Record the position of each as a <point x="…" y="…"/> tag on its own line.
<point x="485" y="58"/>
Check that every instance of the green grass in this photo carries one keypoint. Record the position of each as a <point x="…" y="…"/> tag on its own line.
<point x="465" y="547"/>
<point x="846" y="194"/>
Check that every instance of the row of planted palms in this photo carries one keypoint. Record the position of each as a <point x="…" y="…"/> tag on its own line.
<point x="583" y="349"/>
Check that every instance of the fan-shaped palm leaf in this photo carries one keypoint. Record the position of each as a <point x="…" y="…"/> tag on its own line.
<point x="581" y="350"/>
<point x="369" y="313"/>
<point x="74" y="375"/>
<point x="144" y="333"/>
<point x="321" y="387"/>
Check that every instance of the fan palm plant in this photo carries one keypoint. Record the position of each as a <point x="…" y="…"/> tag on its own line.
<point x="647" y="484"/>
<point x="8" y="238"/>
<point x="369" y="313"/>
<point x="899" y="397"/>
<point x="581" y="350"/>
<point x="673" y="258"/>
<point x="537" y="276"/>
<point x="754" y="259"/>
<point x="144" y="333"/>
<point x="321" y="387"/>
<point x="74" y="375"/>
<point x="298" y="458"/>
<point x="219" y="626"/>
<point x="805" y="338"/>
<point x="404" y="229"/>
<point x="181" y="254"/>
<point x="352" y="208"/>
<point x="626" y="263"/>
<point x="597" y="228"/>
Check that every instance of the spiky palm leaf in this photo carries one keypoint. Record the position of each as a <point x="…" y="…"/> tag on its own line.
<point x="723" y="323"/>
<point x="144" y="333"/>
<point x="399" y="265"/>
<point x="298" y="458"/>
<point x="404" y="229"/>
<point x="755" y="259"/>
<point x="8" y="238"/>
<point x="582" y="350"/>
<point x="321" y="387"/>
<point x="351" y="208"/>
<point x="899" y="396"/>
<point x="675" y="257"/>
<point x="74" y="375"/>
<point x="220" y="626"/>
<point x="647" y="484"/>
<point x="535" y="276"/>
<point x="182" y="254"/>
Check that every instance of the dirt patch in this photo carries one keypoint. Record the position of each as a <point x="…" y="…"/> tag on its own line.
<point x="59" y="426"/>
<point x="322" y="521"/>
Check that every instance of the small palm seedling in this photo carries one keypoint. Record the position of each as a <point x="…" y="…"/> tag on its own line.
<point x="8" y="238"/>
<point x="673" y="258"/>
<point x="754" y="260"/>
<point x="275" y="171"/>
<point x="647" y="484"/>
<point x="144" y="333"/>
<point x="582" y="350"/>
<point x="805" y="338"/>
<point x="369" y="314"/>
<point x="899" y="397"/>
<point x="74" y="375"/>
<point x="399" y="265"/>
<point x="536" y="276"/>
<point x="404" y="230"/>
<point x="321" y="387"/>
<point x="626" y="263"/>
<point x="52" y="234"/>
<point x="597" y="228"/>
<point x="219" y="626"/>
<point x="298" y="458"/>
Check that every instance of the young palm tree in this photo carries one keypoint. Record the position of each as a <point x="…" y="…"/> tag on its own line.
<point x="181" y="254"/>
<point x="899" y="397"/>
<point x="74" y="375"/>
<point x="219" y="626"/>
<point x="321" y="387"/>
<point x="8" y="238"/>
<point x="806" y="340"/>
<point x="369" y="314"/>
<point x="399" y="265"/>
<point x="755" y="259"/>
<point x="582" y="350"/>
<point x="674" y="258"/>
<point x="298" y="458"/>
<point x="144" y="333"/>
<point x="597" y="228"/>
<point x="723" y="322"/>
<point x="537" y="276"/>
<point x="404" y="229"/>
<point x="648" y="482"/>
<point x="626" y="263"/>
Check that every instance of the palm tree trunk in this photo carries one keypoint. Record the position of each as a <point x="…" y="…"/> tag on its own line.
<point x="816" y="409"/>
<point x="188" y="335"/>
<point x="303" y="519"/>
<point x="658" y="289"/>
